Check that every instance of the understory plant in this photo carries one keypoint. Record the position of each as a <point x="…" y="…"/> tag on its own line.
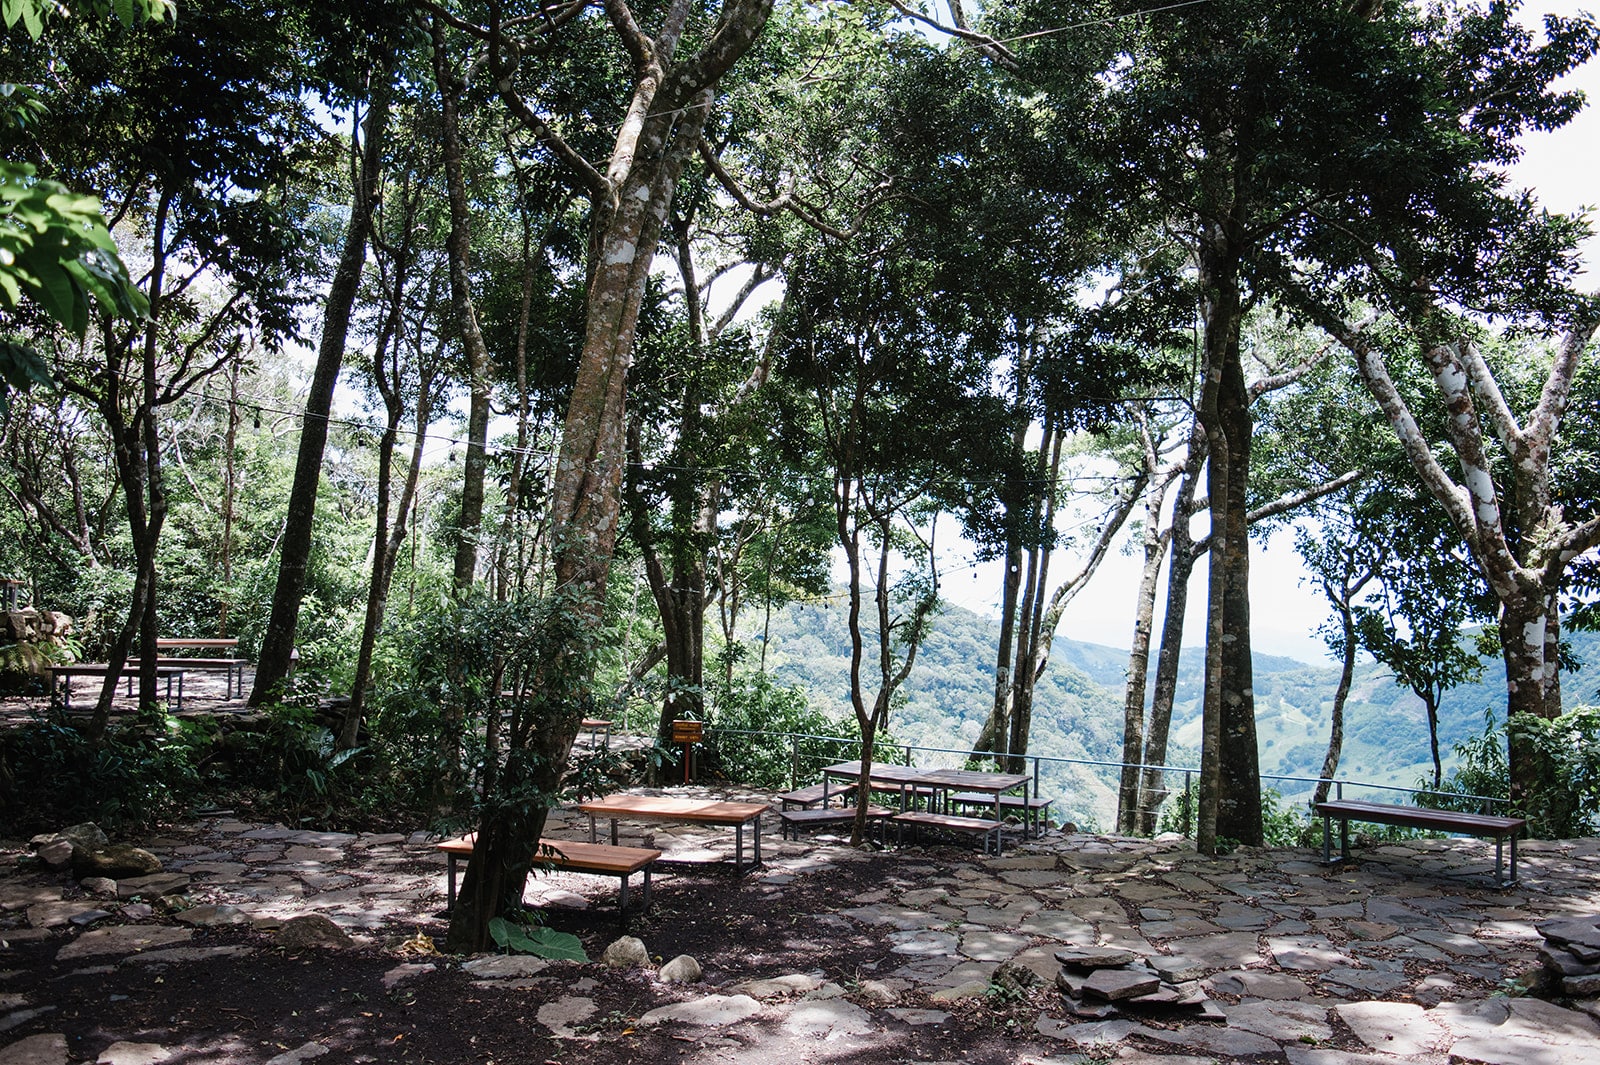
<point x="1563" y="802"/>
<point x="524" y="932"/>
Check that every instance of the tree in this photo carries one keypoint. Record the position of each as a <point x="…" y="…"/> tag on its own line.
<point x="1287" y="144"/>
<point x="668" y="99"/>
<point x="375" y="68"/>
<point x="869" y="355"/>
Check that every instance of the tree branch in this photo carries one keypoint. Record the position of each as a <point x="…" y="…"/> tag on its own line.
<point x="985" y="44"/>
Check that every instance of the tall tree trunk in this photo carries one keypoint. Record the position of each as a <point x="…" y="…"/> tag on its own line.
<point x="458" y="247"/>
<point x="277" y="643"/>
<point x="386" y="543"/>
<point x="229" y="491"/>
<point x="1042" y="620"/>
<point x="1220" y="312"/>
<point x="631" y="200"/>
<point x="1133" y="717"/>
<point x="1341" y="602"/>
<point x="1239" y="798"/>
<point x="1152" y="788"/>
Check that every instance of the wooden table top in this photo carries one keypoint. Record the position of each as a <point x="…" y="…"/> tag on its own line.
<point x="659" y="807"/>
<point x="890" y="774"/>
<point x="974" y="780"/>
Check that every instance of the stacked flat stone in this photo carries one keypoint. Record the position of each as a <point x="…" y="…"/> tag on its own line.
<point x="1571" y="955"/>
<point x="1099" y="983"/>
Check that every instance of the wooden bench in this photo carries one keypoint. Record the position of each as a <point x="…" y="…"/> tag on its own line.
<point x="199" y="643"/>
<point x="1033" y="809"/>
<point x="790" y="822"/>
<point x="232" y="669"/>
<point x="988" y="831"/>
<point x="1487" y="826"/>
<point x="807" y="797"/>
<point x="599" y="730"/>
<point x="569" y="856"/>
<point x="99" y="669"/>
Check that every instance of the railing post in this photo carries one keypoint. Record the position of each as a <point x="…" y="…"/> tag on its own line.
<point x="794" y="760"/>
<point x="1188" y="803"/>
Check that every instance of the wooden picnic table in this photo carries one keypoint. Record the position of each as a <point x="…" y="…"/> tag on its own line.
<point x="907" y="780"/>
<point x="948" y="780"/>
<point x="938" y="783"/>
<point x="65" y="673"/>
<point x="696" y="811"/>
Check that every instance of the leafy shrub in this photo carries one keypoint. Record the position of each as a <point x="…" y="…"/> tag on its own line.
<point x="1564" y="803"/>
<point x="756" y="705"/>
<point x="51" y="776"/>
<point x="1285" y="825"/>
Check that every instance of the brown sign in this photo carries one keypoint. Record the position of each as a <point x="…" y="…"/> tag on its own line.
<point x="687" y="731"/>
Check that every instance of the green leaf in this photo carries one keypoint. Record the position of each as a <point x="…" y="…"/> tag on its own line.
<point x="20" y="369"/>
<point x="56" y="250"/>
<point x="537" y="940"/>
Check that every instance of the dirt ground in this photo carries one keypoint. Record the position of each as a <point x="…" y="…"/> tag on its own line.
<point x="253" y="1006"/>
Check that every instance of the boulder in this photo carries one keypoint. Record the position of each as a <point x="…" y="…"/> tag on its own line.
<point x="115" y="862"/>
<point x="1114" y="985"/>
<point x="86" y="836"/>
<point x="312" y="930"/>
<point x="680" y="970"/>
<point x="626" y="953"/>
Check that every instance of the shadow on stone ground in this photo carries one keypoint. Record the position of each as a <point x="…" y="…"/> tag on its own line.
<point x="257" y="943"/>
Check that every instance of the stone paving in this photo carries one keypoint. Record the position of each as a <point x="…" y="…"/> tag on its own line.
<point x="1398" y="955"/>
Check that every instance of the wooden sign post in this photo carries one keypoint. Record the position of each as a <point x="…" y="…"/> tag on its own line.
<point x="688" y="733"/>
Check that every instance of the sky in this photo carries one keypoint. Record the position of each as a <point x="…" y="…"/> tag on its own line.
<point x="1286" y="610"/>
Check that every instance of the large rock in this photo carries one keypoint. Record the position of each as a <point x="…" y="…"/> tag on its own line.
<point x="55" y="853"/>
<point x="312" y="930"/>
<point x="115" y="862"/>
<point x="85" y="837"/>
<point x="1088" y="959"/>
<point x="1114" y="985"/>
<point x="626" y="953"/>
<point x="680" y="970"/>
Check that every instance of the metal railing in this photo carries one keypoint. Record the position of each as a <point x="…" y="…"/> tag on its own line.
<point x="1487" y="803"/>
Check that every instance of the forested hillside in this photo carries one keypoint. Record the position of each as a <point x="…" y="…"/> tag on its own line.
<point x="1078" y="712"/>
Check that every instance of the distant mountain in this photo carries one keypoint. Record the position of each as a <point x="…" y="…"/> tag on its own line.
<point x="1078" y="706"/>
